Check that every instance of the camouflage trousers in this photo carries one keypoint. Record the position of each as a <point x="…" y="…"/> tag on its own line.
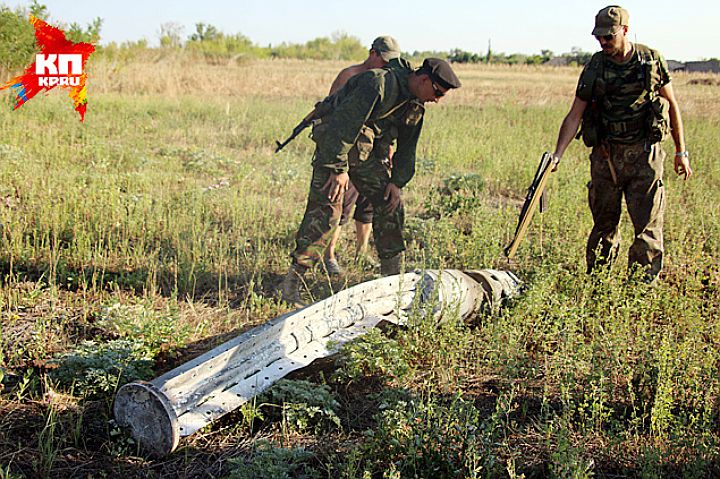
<point x="322" y="216"/>
<point x="634" y="171"/>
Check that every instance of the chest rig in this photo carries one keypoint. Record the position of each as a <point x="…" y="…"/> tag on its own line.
<point x="623" y="103"/>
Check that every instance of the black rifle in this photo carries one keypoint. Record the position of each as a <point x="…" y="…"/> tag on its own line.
<point x="535" y="195"/>
<point x="307" y="121"/>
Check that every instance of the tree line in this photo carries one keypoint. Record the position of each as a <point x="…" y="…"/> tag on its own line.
<point x="17" y="44"/>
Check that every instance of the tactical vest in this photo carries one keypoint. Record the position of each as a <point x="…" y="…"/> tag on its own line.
<point x="624" y="104"/>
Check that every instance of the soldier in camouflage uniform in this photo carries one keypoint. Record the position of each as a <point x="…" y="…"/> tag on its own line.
<point x="626" y="104"/>
<point x="384" y="49"/>
<point x="363" y="119"/>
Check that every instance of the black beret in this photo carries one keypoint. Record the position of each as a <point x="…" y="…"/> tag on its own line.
<point x="440" y="72"/>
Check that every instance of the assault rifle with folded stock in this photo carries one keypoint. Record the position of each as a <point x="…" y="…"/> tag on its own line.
<point x="314" y="118"/>
<point x="535" y="196"/>
<point x="307" y="121"/>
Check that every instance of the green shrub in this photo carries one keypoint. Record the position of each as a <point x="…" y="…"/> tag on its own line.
<point x="458" y="194"/>
<point x="17" y="41"/>
<point x="269" y="462"/>
<point x="372" y="354"/>
<point x="430" y="437"/>
<point x="304" y="405"/>
<point x="340" y="47"/>
<point x="154" y="331"/>
<point x="94" y="370"/>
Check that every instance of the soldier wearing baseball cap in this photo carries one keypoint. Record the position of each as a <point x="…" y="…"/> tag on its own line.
<point x="624" y="105"/>
<point x="609" y="19"/>
<point x="387" y="47"/>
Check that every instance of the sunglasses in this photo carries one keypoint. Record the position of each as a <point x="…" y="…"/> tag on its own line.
<point x="437" y="91"/>
<point x="607" y="37"/>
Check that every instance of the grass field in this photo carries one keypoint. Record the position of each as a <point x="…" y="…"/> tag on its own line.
<point x="162" y="226"/>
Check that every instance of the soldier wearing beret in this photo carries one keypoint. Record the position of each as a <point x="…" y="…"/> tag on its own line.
<point x="625" y="102"/>
<point x="360" y="122"/>
<point x="384" y="49"/>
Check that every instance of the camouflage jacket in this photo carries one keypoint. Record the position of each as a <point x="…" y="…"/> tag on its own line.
<point x="624" y="91"/>
<point x="365" y="116"/>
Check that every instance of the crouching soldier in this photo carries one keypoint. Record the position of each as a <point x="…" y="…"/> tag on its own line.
<point x="356" y="128"/>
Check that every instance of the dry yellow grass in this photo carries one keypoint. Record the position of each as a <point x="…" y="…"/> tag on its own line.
<point x="172" y="76"/>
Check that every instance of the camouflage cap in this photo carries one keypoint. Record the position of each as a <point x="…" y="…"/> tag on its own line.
<point x="387" y="47"/>
<point x="609" y="18"/>
<point x="440" y="72"/>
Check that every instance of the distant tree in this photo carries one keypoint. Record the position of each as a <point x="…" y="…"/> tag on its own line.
<point x="90" y="33"/>
<point x="340" y="47"/>
<point x="171" y="35"/>
<point x="461" y="56"/>
<point x="516" y="59"/>
<point x="535" y="60"/>
<point x="348" y="47"/>
<point x="17" y="38"/>
<point x="204" y="32"/>
<point x="577" y="56"/>
<point x="38" y="10"/>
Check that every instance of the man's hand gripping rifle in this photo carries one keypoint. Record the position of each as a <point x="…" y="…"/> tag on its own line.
<point x="534" y="197"/>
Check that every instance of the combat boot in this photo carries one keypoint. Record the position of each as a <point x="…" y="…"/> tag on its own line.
<point x="391" y="266"/>
<point x="290" y="286"/>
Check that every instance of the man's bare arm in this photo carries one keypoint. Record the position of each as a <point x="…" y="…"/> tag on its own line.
<point x="569" y="126"/>
<point x="682" y="163"/>
<point x="344" y="75"/>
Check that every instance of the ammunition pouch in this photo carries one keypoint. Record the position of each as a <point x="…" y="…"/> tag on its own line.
<point x="658" y="119"/>
<point x="591" y="127"/>
<point x="363" y="146"/>
<point x="384" y="142"/>
<point x="592" y="90"/>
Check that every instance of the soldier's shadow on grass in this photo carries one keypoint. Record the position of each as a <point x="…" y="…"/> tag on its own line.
<point x="202" y="286"/>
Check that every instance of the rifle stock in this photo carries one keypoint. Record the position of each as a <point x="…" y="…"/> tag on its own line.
<point x="532" y="199"/>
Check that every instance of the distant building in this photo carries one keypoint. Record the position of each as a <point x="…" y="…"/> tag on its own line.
<point x="703" y="66"/>
<point x="676" y="66"/>
<point x="558" y="62"/>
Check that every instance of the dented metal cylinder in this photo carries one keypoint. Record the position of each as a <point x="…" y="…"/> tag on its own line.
<point x="184" y="400"/>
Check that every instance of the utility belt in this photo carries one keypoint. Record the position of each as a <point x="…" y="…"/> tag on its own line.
<point x="654" y="125"/>
<point x="621" y="127"/>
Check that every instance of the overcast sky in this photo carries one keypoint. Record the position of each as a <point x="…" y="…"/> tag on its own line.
<point x="681" y="30"/>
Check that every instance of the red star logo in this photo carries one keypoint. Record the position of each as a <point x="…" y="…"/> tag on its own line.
<point x="60" y="62"/>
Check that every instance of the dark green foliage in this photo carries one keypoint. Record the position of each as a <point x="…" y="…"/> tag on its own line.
<point x="90" y="33"/>
<point x="459" y="194"/>
<point x="17" y="36"/>
<point x="304" y="405"/>
<point x="373" y="354"/>
<point x="97" y="369"/>
<point x="429" y="437"/>
<point x="154" y="331"/>
<point x="340" y="47"/>
<point x="270" y="462"/>
<point x="17" y="40"/>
